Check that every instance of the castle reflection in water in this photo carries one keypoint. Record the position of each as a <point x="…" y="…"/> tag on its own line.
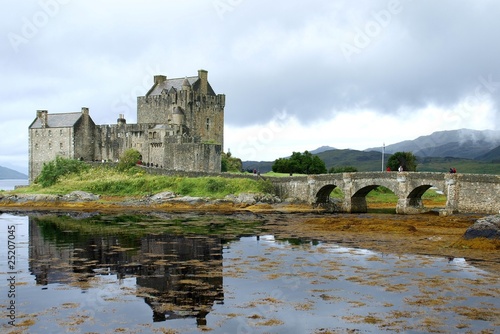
<point x="182" y="274"/>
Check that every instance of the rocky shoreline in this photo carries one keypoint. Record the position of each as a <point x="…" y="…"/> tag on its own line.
<point x="485" y="227"/>
<point x="81" y="200"/>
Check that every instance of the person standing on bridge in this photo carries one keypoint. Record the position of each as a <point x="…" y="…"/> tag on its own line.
<point x="400" y="169"/>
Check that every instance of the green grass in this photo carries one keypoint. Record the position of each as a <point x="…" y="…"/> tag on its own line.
<point x="274" y="174"/>
<point x="135" y="182"/>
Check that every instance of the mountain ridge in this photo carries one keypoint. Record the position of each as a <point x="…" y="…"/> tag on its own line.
<point x="461" y="143"/>
<point x="472" y="151"/>
<point x="8" y="173"/>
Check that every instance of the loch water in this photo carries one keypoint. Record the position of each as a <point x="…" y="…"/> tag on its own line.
<point x="11" y="184"/>
<point x="193" y="274"/>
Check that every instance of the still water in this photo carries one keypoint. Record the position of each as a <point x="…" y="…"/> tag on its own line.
<point x="11" y="184"/>
<point x="192" y="274"/>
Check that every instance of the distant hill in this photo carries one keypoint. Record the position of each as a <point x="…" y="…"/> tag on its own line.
<point x="322" y="149"/>
<point x="491" y="156"/>
<point x="362" y="161"/>
<point x="7" y="173"/>
<point x="463" y="143"/>
<point x="261" y="166"/>
<point x="372" y="161"/>
<point x="470" y="151"/>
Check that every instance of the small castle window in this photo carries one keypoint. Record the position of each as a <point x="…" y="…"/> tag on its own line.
<point x="36" y="146"/>
<point x="61" y="132"/>
<point x="50" y="146"/>
<point x="208" y="124"/>
<point x="60" y="146"/>
<point x="50" y="132"/>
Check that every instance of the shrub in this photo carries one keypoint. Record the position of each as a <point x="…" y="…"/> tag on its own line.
<point x="53" y="170"/>
<point x="129" y="159"/>
<point x="230" y="163"/>
<point x="266" y="186"/>
<point x="215" y="185"/>
<point x="185" y="186"/>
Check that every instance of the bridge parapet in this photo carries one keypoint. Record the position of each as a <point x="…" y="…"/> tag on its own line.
<point x="465" y="192"/>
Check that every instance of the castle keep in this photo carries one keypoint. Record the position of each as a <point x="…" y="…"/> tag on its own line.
<point x="180" y="126"/>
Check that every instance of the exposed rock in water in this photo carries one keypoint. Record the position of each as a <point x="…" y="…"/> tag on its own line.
<point x="487" y="227"/>
<point x="80" y="196"/>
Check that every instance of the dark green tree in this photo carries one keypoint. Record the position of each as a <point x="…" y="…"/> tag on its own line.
<point x="302" y="163"/>
<point x="405" y="159"/>
<point x="282" y="165"/>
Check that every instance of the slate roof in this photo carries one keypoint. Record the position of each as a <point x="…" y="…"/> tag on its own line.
<point x="63" y="120"/>
<point x="176" y="83"/>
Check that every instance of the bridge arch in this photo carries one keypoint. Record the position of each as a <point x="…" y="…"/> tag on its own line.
<point x="413" y="202"/>
<point x="323" y="198"/>
<point x="323" y="194"/>
<point x="358" y="203"/>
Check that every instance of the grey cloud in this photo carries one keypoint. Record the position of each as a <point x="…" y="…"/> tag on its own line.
<point x="265" y="56"/>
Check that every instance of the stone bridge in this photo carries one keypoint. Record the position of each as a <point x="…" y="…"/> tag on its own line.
<point x="465" y="193"/>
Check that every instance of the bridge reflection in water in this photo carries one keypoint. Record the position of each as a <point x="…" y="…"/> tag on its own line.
<point x="178" y="276"/>
<point x="464" y="192"/>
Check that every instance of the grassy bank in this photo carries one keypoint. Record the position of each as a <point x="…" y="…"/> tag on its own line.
<point x="107" y="181"/>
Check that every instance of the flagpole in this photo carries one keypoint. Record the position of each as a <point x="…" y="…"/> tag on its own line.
<point x="383" y="153"/>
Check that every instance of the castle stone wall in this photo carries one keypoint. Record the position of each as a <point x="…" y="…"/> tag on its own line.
<point x="45" y="144"/>
<point x="83" y="146"/>
<point x="193" y="157"/>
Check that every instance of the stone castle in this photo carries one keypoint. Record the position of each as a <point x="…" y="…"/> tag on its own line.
<point x="180" y="126"/>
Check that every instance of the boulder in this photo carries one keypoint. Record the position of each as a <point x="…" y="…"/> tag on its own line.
<point x="251" y="198"/>
<point x="487" y="227"/>
<point x="80" y="196"/>
<point x="162" y="197"/>
<point x="267" y="198"/>
<point x="244" y="198"/>
<point x="190" y="200"/>
<point x="23" y="198"/>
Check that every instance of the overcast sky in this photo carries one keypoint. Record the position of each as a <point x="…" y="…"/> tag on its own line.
<point x="297" y="75"/>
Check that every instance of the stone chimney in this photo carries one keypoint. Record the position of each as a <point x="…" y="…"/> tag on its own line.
<point x="85" y="111"/>
<point x="160" y="79"/>
<point x="42" y="115"/>
<point x="121" y="119"/>
<point x="203" y="76"/>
